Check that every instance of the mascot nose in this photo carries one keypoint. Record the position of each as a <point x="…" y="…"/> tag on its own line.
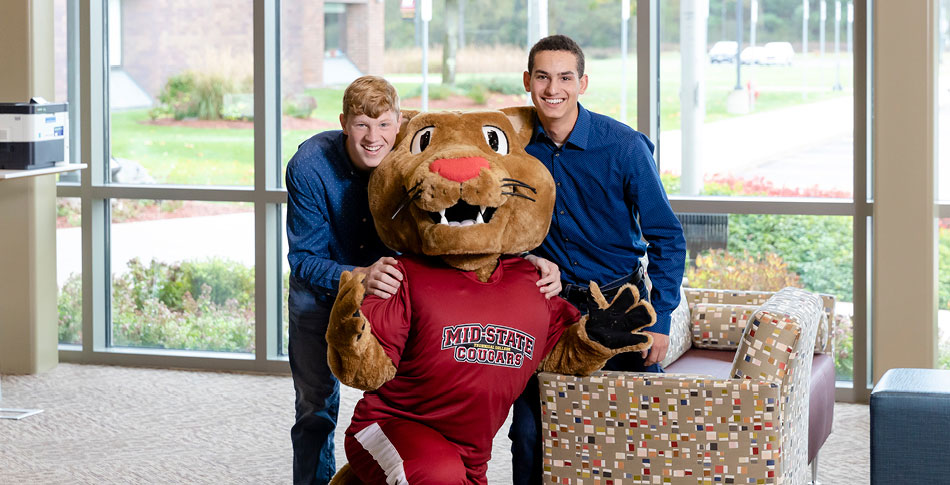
<point x="459" y="169"/>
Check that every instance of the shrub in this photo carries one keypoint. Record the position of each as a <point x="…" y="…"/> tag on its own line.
<point x="844" y="346"/>
<point x="70" y="310"/>
<point x="177" y="98"/>
<point x="943" y="264"/>
<point x="300" y="106"/>
<point x="478" y="93"/>
<point x="196" y="95"/>
<point x="153" y="306"/>
<point x="721" y="270"/>
<point x="817" y="248"/>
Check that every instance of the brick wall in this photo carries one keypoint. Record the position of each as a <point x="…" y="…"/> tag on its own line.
<point x="163" y="38"/>
<point x="365" y="28"/>
<point x="301" y="45"/>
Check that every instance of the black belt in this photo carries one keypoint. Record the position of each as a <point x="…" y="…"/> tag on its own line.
<point x="578" y="295"/>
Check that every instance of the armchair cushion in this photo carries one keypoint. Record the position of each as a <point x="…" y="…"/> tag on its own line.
<point x="719" y="326"/>
<point x="717" y="318"/>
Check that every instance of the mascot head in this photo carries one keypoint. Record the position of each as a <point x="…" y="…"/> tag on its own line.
<point x="461" y="186"/>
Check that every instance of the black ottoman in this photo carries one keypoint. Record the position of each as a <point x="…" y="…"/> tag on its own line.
<point x="910" y="425"/>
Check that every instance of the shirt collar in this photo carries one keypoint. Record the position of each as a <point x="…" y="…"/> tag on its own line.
<point x="579" y="135"/>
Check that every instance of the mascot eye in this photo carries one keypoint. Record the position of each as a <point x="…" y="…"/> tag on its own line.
<point x="421" y="139"/>
<point x="496" y="139"/>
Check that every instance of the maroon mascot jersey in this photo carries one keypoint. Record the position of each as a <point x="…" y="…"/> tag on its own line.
<point x="463" y="350"/>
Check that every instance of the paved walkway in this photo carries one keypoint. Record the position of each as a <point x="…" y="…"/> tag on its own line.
<point x="798" y="146"/>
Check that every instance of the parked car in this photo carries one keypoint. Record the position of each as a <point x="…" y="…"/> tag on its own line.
<point x="778" y="54"/>
<point x="723" y="51"/>
<point x="753" y="55"/>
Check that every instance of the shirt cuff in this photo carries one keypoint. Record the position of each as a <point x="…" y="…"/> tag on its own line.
<point x="662" y="324"/>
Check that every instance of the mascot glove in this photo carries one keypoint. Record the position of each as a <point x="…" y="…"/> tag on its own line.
<point x="346" y="322"/>
<point x="618" y="324"/>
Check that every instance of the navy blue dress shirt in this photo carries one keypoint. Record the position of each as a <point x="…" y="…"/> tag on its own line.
<point x="329" y="226"/>
<point x="609" y="194"/>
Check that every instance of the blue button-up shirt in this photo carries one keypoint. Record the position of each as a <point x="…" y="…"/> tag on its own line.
<point x="609" y="194"/>
<point x="329" y="225"/>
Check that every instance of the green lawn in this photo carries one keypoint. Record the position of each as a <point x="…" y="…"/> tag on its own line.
<point x="225" y="156"/>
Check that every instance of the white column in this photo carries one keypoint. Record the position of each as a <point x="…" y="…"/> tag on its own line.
<point x="693" y="15"/>
<point x="28" y="312"/>
<point x="537" y="21"/>
<point x="904" y="260"/>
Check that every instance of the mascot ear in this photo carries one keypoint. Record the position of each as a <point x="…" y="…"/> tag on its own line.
<point x="405" y="116"/>
<point x="522" y="120"/>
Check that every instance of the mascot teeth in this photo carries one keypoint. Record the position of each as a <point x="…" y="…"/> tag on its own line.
<point x="463" y="214"/>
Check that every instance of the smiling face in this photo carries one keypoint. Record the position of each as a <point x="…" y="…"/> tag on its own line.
<point x="555" y="85"/>
<point x="461" y="186"/>
<point x="369" y="140"/>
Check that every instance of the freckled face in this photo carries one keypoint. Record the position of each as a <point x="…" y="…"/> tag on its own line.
<point x="369" y="140"/>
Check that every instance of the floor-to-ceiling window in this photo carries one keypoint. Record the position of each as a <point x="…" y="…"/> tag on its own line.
<point x="186" y="204"/>
<point x="942" y="41"/>
<point x="756" y="118"/>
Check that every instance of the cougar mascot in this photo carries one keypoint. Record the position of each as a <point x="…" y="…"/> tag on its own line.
<point x="444" y="358"/>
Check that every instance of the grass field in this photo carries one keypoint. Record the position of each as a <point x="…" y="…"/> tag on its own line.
<point x="225" y="156"/>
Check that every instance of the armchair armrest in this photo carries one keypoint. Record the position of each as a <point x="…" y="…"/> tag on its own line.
<point x="647" y="427"/>
<point x="681" y="332"/>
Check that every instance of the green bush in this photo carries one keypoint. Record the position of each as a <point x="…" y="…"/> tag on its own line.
<point x="722" y="270"/>
<point x="153" y="306"/>
<point x="478" y="93"/>
<point x="70" y="310"/>
<point x="300" y="106"/>
<point x="817" y="248"/>
<point x="177" y="98"/>
<point x="196" y="95"/>
<point x="844" y="347"/>
<point x="943" y="265"/>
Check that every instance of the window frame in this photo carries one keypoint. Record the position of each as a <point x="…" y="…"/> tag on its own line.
<point x="89" y="82"/>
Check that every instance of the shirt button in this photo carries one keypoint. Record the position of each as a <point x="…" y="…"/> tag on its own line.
<point x="364" y="219"/>
<point x="362" y="246"/>
<point x="559" y="184"/>
<point x="565" y="239"/>
<point x="557" y="154"/>
<point x="575" y="263"/>
<point x="562" y="212"/>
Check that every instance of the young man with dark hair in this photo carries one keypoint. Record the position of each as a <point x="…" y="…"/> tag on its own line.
<point x="611" y="210"/>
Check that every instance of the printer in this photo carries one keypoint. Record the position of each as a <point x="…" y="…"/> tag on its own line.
<point x="33" y="135"/>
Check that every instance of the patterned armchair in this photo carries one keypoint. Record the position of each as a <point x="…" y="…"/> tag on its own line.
<point x="640" y="428"/>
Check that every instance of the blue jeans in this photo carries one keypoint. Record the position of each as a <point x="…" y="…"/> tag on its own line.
<point x="525" y="431"/>
<point x="318" y="391"/>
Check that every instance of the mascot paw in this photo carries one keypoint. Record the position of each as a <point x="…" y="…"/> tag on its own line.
<point x="344" y="317"/>
<point x="617" y="324"/>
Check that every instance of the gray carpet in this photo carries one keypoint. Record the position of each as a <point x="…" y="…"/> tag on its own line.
<point x="126" y="425"/>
